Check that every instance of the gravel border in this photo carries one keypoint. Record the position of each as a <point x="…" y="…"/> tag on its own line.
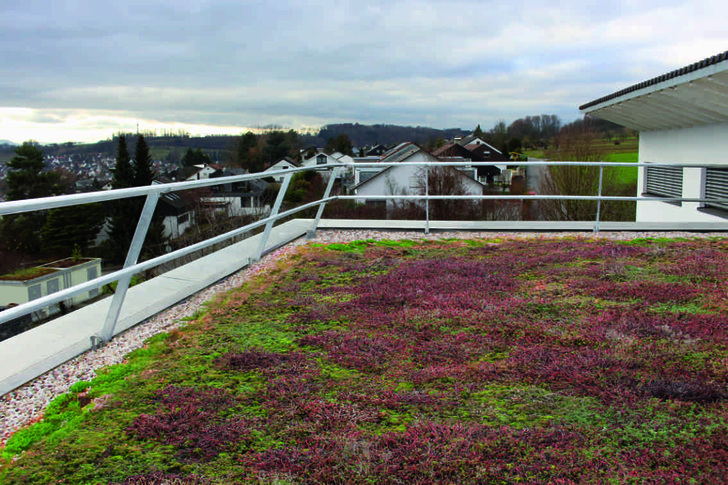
<point x="25" y="405"/>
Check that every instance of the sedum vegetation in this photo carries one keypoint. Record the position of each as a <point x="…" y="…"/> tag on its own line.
<point x="501" y="361"/>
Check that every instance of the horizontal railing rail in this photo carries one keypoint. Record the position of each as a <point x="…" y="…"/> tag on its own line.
<point x="153" y="193"/>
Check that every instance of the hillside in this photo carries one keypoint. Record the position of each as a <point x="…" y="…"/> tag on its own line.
<point x="219" y="146"/>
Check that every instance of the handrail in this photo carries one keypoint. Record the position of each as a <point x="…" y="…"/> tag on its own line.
<point x="153" y="192"/>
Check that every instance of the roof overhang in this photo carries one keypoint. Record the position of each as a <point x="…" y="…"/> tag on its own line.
<point x="692" y="96"/>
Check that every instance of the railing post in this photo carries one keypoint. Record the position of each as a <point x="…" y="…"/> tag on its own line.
<point x="599" y="201"/>
<point x="273" y="212"/>
<point x="327" y="192"/>
<point x="132" y="256"/>
<point x="427" y="199"/>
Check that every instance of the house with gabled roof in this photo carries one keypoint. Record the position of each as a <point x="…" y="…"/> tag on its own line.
<point x="322" y="159"/>
<point x="285" y="163"/>
<point x="478" y="153"/>
<point x="198" y="172"/>
<point x="681" y="116"/>
<point x="246" y="197"/>
<point x="403" y="179"/>
<point x="319" y="159"/>
<point x="473" y="139"/>
<point x="376" y="151"/>
<point x="177" y="214"/>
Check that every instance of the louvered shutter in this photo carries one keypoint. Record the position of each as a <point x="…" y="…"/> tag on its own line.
<point x="716" y="187"/>
<point x="665" y="181"/>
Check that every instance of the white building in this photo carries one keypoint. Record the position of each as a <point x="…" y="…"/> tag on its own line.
<point x="48" y="279"/>
<point x="320" y="159"/>
<point x="405" y="179"/>
<point x="682" y="116"/>
<point x="204" y="171"/>
<point x="285" y="163"/>
<point x="323" y="159"/>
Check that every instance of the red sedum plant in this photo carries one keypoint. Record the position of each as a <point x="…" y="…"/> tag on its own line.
<point x="518" y="361"/>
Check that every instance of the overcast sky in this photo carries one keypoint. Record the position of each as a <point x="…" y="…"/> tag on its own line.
<point x="79" y="70"/>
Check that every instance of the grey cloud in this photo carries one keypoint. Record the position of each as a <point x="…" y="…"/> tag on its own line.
<point x="250" y="63"/>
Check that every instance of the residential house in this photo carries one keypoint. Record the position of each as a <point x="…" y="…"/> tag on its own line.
<point x="246" y="197"/>
<point x="199" y="172"/>
<point x="404" y="179"/>
<point x="681" y="116"/>
<point x="487" y="153"/>
<point x="473" y="139"/>
<point x="50" y="278"/>
<point x="376" y="151"/>
<point x="178" y="214"/>
<point x="321" y="159"/>
<point x="285" y="163"/>
<point x="479" y="153"/>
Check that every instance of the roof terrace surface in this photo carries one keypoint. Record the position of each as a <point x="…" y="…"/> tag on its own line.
<point x="653" y="428"/>
<point x="32" y="353"/>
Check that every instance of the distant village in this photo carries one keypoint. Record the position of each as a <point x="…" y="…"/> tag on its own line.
<point x="92" y="172"/>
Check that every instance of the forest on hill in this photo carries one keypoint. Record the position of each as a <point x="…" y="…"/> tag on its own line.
<point x="530" y="132"/>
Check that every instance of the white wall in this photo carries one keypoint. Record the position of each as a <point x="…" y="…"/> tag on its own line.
<point x="702" y="144"/>
<point x="19" y="291"/>
<point x="173" y="229"/>
<point x="405" y="180"/>
<point x="281" y="165"/>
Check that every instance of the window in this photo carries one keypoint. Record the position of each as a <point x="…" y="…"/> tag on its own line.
<point x="664" y="181"/>
<point x="321" y="160"/>
<point x="52" y="286"/>
<point x="716" y="187"/>
<point x="364" y="176"/>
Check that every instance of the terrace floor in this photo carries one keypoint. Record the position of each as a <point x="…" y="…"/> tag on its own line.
<point x="572" y="360"/>
<point x="39" y="350"/>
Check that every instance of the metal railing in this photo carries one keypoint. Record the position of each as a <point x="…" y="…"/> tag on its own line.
<point x="153" y="193"/>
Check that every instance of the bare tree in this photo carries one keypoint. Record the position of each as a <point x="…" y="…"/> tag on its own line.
<point x="445" y="181"/>
<point x="402" y="209"/>
<point x="578" y="144"/>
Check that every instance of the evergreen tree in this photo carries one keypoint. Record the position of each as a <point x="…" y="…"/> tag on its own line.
<point x="247" y="152"/>
<point x="143" y="174"/>
<point x="279" y="144"/>
<point x="123" y="172"/>
<point x="124" y="212"/>
<point x="195" y="157"/>
<point x="68" y="227"/>
<point x="340" y="143"/>
<point x="27" y="179"/>
<point x="155" y="242"/>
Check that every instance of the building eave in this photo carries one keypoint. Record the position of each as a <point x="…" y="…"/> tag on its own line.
<point x="692" y="96"/>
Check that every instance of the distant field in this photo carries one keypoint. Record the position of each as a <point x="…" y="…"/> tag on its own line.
<point x="627" y="175"/>
<point x="625" y="152"/>
<point x="628" y="145"/>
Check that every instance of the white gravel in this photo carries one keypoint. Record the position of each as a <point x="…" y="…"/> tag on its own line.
<point x="25" y="405"/>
